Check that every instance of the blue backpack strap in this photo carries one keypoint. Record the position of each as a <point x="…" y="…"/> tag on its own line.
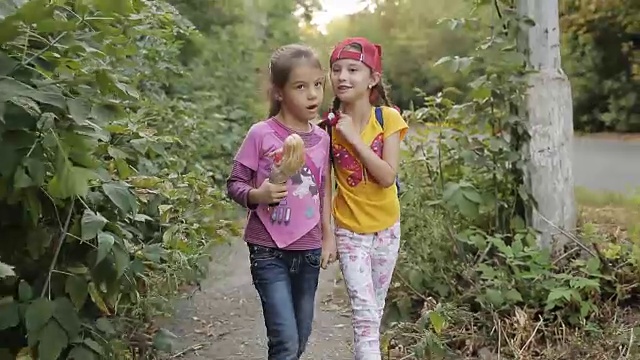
<point x="380" y="119"/>
<point x="378" y="111"/>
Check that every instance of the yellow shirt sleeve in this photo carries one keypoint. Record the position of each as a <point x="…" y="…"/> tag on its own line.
<point x="393" y="122"/>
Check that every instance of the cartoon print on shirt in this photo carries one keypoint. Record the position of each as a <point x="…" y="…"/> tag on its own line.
<point x="306" y="184"/>
<point x="348" y="162"/>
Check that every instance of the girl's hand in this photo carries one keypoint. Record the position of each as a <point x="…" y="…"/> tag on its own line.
<point x="269" y="193"/>
<point x="346" y="128"/>
<point x="329" y="251"/>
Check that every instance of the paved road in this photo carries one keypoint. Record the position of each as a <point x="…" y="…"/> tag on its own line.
<point x="606" y="164"/>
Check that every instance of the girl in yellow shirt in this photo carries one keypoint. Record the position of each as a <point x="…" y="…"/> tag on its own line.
<point x="366" y="150"/>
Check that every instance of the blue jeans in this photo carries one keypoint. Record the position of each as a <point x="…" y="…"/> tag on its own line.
<point x="286" y="281"/>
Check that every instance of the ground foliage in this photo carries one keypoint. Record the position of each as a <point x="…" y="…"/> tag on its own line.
<point x="471" y="281"/>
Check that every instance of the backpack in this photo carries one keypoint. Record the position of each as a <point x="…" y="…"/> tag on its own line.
<point x="380" y="119"/>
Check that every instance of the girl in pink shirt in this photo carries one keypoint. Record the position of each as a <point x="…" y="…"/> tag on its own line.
<point x="291" y="241"/>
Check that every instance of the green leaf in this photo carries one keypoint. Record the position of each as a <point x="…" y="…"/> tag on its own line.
<point x="25" y="293"/>
<point x="9" y="313"/>
<point x="517" y="247"/>
<point x="67" y="316"/>
<point x="80" y="352"/>
<point x="122" y="259"/>
<point x="53" y="339"/>
<point x="517" y="223"/>
<point x="78" y="269"/>
<point x="121" y="196"/>
<point x="123" y="168"/>
<point x="466" y="207"/>
<point x="559" y="293"/>
<point x="9" y="30"/>
<point x="79" y="109"/>
<point x="69" y="181"/>
<point x="37" y="315"/>
<point x="105" y="243"/>
<point x="122" y="7"/>
<point x="104" y="325"/>
<point x="495" y="297"/>
<point x="6" y="270"/>
<point x="53" y="25"/>
<point x="6" y="62"/>
<point x="593" y="265"/>
<point x="127" y="90"/>
<point x="34" y="207"/>
<point x="93" y="345"/>
<point x="21" y="179"/>
<point x="116" y="153"/>
<point x="450" y="189"/>
<point x="91" y="224"/>
<point x="97" y="299"/>
<point x="584" y="283"/>
<point x="416" y="279"/>
<point x="442" y="60"/>
<point x="77" y="288"/>
<point x="513" y="295"/>
<point x="481" y="93"/>
<point x="164" y="340"/>
<point x="472" y="195"/>
<point x="11" y="88"/>
<point x="36" y="169"/>
<point x="154" y="252"/>
<point x="437" y="321"/>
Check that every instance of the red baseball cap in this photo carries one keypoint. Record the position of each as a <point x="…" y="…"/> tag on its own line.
<point x="371" y="54"/>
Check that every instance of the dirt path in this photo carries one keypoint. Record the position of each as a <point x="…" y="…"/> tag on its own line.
<point x="224" y="320"/>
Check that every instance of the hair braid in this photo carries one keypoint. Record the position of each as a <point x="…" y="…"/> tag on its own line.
<point x="336" y="104"/>
<point x="381" y="90"/>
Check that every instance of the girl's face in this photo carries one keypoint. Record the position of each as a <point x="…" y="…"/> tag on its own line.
<point x="352" y="80"/>
<point x="304" y="91"/>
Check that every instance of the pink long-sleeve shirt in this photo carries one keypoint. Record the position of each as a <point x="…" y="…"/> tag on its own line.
<point x="240" y="182"/>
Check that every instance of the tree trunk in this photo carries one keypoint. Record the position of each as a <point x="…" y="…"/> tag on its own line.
<point x="549" y="111"/>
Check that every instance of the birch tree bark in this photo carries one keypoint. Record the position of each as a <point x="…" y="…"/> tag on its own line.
<point x="549" y="111"/>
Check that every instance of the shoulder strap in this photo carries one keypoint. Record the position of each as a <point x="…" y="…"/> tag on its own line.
<point x="379" y="117"/>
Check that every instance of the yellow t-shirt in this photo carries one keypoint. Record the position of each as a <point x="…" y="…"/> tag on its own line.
<point x="360" y="204"/>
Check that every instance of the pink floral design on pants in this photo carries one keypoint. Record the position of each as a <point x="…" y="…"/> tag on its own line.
<point x="367" y="262"/>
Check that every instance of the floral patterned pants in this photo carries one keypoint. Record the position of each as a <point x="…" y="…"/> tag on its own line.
<point x="367" y="262"/>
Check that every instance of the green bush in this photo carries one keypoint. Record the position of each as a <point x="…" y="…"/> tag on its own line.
<point x="471" y="277"/>
<point x="101" y="216"/>
<point x="603" y="63"/>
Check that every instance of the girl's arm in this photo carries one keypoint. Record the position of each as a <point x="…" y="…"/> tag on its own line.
<point x="383" y="170"/>
<point x="239" y="185"/>
<point x="327" y="232"/>
<point x="329" y="250"/>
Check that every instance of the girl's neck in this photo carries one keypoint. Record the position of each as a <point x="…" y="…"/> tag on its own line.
<point x="360" y="111"/>
<point x="292" y="123"/>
